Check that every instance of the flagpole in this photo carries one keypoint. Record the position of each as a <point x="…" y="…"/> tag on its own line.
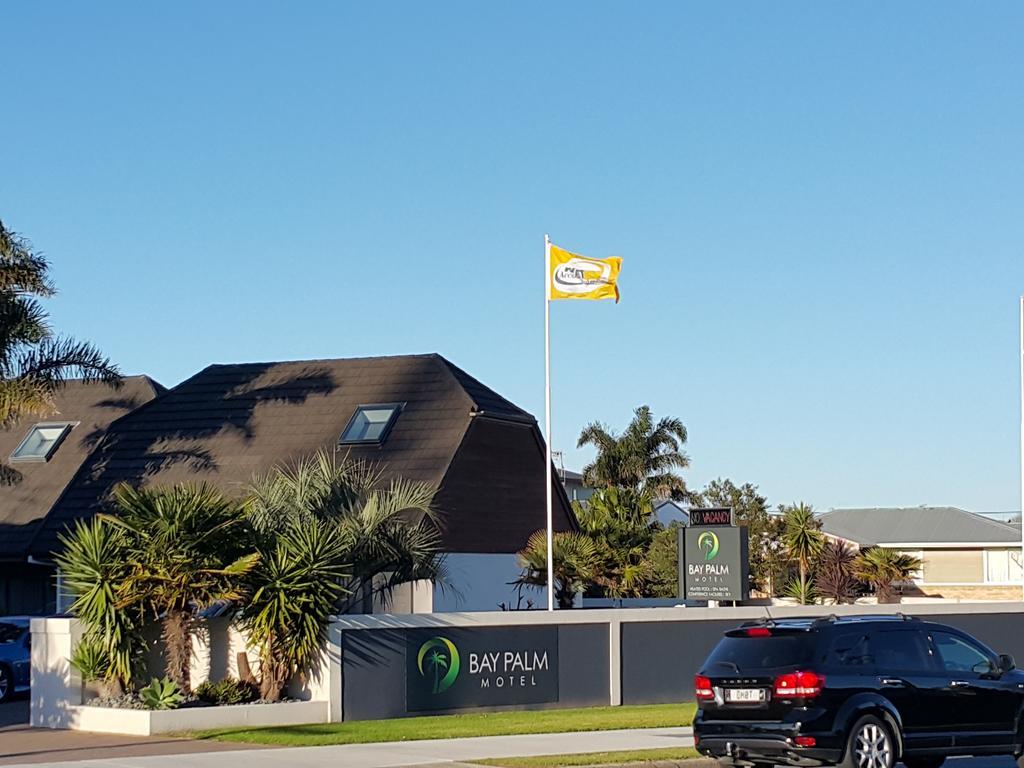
<point x="547" y="421"/>
<point x="1022" y="440"/>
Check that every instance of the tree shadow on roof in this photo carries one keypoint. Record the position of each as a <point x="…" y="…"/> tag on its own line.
<point x="175" y="429"/>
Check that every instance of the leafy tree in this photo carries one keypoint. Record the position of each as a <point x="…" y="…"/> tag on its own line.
<point x="834" y="577"/>
<point x="575" y="559"/>
<point x="663" y="562"/>
<point x="750" y="508"/>
<point x="882" y="568"/>
<point x="295" y="588"/>
<point x="327" y="529"/>
<point x="644" y="458"/>
<point x="620" y="522"/>
<point x="803" y="592"/>
<point x="389" y="531"/>
<point x="803" y="540"/>
<point x="161" y="555"/>
<point x="34" y="361"/>
<point x="93" y="567"/>
<point x="185" y="549"/>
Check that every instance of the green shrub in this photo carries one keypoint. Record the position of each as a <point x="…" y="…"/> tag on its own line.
<point x="227" y="691"/>
<point x="90" y="659"/>
<point x="161" y="694"/>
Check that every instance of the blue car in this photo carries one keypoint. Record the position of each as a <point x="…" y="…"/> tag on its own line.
<point x="15" y="655"/>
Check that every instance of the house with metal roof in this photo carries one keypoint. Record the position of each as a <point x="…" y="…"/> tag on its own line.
<point x="962" y="554"/>
<point x="44" y="454"/>
<point x="417" y="417"/>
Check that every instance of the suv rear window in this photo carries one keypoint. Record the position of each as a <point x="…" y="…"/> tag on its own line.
<point x="752" y="653"/>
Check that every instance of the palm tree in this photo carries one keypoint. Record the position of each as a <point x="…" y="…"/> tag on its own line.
<point x="389" y="530"/>
<point x="645" y="457"/>
<point x="620" y="522"/>
<point x="804" y="541"/>
<point x="34" y="362"/>
<point x="882" y="568"/>
<point x="329" y="531"/>
<point x="294" y="590"/>
<point x="184" y="549"/>
<point x="834" y="579"/>
<point x="575" y="559"/>
<point x="437" y="662"/>
<point x="93" y="565"/>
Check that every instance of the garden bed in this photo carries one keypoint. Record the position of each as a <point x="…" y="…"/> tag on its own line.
<point x="145" y="722"/>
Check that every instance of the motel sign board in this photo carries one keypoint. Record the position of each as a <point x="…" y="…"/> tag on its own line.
<point x="713" y="557"/>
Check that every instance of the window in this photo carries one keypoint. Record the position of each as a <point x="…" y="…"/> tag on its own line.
<point x="900" y="650"/>
<point x="849" y="649"/>
<point x="958" y="655"/>
<point x="40" y="443"/>
<point x="749" y="653"/>
<point x="1002" y="566"/>
<point x="371" y="423"/>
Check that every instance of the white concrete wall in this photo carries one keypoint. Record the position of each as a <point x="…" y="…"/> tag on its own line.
<point x="215" y="648"/>
<point x="56" y="685"/>
<point x="481" y="583"/>
<point x="58" y="693"/>
<point x="413" y="597"/>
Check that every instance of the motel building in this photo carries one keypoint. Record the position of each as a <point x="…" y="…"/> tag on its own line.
<point x="418" y="417"/>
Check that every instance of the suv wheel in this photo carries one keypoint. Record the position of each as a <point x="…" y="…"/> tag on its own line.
<point x="870" y="745"/>
<point x="6" y="684"/>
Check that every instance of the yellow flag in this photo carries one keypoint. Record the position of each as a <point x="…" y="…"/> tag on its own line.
<point x="581" y="277"/>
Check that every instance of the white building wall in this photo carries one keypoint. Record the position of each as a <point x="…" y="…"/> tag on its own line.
<point x="482" y="583"/>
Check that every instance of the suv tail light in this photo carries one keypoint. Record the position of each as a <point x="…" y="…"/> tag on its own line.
<point x="702" y="688"/>
<point x="805" y="685"/>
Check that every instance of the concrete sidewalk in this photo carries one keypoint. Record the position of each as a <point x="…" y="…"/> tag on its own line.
<point x="407" y="753"/>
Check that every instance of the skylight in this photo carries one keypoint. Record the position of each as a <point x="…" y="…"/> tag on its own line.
<point x="371" y="423"/>
<point x="40" y="443"/>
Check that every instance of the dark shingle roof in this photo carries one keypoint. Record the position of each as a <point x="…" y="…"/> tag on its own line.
<point x="93" y="407"/>
<point x="229" y="422"/>
<point x="916" y="525"/>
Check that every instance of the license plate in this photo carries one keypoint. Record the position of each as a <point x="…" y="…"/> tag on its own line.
<point x="744" y="695"/>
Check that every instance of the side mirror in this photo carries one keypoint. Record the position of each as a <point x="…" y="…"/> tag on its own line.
<point x="1006" y="663"/>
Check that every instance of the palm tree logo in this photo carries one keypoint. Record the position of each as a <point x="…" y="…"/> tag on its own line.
<point x="438" y="661"/>
<point x="708" y="541"/>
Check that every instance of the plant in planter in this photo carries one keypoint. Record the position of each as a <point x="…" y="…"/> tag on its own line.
<point x="327" y="529"/>
<point x="186" y="547"/>
<point x="93" y="567"/>
<point x="227" y="691"/>
<point x="161" y="694"/>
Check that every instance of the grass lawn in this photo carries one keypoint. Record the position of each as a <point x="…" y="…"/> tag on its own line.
<point x="455" y="726"/>
<point x="596" y="758"/>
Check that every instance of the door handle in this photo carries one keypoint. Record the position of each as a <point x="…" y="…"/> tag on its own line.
<point x="958" y="684"/>
<point x="893" y="681"/>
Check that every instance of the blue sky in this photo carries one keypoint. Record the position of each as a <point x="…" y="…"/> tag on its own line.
<point x="818" y="206"/>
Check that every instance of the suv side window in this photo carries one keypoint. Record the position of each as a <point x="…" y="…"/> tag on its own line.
<point x="849" y="652"/>
<point x="957" y="654"/>
<point x="900" y="650"/>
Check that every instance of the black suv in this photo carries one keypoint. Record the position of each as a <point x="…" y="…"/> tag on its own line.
<point x="860" y="691"/>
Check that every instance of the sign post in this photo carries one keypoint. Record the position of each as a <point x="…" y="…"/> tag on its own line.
<point x="713" y="557"/>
